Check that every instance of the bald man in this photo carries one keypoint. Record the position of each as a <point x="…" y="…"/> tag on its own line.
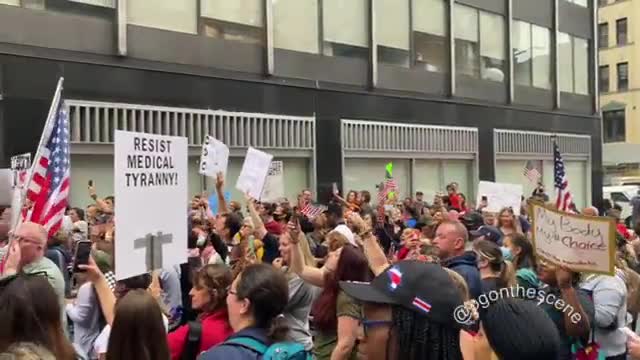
<point x="590" y="211"/>
<point x="27" y="255"/>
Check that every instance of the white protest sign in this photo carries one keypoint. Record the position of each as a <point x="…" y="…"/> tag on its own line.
<point x="254" y="172"/>
<point x="582" y="243"/>
<point x="6" y="186"/>
<point x="500" y="195"/>
<point x="20" y="164"/>
<point x="214" y="158"/>
<point x="150" y="173"/>
<point x="274" y="184"/>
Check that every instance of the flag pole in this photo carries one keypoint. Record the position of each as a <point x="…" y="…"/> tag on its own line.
<point x="48" y="125"/>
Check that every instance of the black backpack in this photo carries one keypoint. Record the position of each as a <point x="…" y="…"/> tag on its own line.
<point x="191" y="348"/>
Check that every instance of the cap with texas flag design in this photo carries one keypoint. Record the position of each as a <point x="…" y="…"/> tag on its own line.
<point x="421" y="287"/>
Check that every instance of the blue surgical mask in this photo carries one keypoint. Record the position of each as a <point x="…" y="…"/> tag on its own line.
<point x="202" y="238"/>
<point x="506" y="253"/>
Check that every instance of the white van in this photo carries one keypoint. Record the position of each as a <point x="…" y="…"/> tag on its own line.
<point x="622" y="196"/>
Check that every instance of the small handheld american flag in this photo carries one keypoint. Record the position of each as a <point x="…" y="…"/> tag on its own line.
<point x="531" y="172"/>
<point x="311" y="211"/>
<point x="48" y="188"/>
<point x="560" y="181"/>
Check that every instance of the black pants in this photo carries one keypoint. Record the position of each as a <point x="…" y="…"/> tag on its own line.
<point x="617" y="357"/>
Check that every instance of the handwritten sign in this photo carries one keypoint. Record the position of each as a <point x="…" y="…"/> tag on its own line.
<point x="274" y="184"/>
<point x="500" y="195"/>
<point x="582" y="243"/>
<point x="150" y="173"/>
<point x="214" y="158"/>
<point x="254" y="172"/>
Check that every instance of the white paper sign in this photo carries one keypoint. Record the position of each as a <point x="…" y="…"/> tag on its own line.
<point x="254" y="172"/>
<point x="150" y="173"/>
<point x="214" y="158"/>
<point x="20" y="164"/>
<point x="6" y="186"/>
<point x="500" y="195"/>
<point x="274" y="184"/>
<point x="582" y="243"/>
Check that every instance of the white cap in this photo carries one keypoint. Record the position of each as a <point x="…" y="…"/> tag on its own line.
<point x="346" y="232"/>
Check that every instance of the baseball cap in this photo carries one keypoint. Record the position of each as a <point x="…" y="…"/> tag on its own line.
<point x="422" y="287"/>
<point x="489" y="232"/>
<point x="472" y="220"/>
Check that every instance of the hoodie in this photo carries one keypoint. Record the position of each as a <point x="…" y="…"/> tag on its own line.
<point x="466" y="266"/>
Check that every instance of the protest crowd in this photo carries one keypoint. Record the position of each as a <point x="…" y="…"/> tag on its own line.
<point x="361" y="275"/>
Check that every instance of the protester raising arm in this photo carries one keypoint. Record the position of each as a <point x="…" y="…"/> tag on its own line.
<point x="258" y="224"/>
<point x="582" y="327"/>
<point x="310" y="274"/>
<point x="222" y="202"/>
<point x="101" y="203"/>
<point x="100" y="284"/>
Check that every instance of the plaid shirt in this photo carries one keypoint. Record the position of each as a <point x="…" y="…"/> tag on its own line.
<point x="111" y="280"/>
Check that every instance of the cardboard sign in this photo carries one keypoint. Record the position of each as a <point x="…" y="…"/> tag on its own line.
<point x="150" y="173"/>
<point x="20" y="164"/>
<point x="254" y="172"/>
<point x="500" y="195"/>
<point x="582" y="243"/>
<point x="274" y="184"/>
<point x="214" y="158"/>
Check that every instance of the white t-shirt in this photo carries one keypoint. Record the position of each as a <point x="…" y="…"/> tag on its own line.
<point x="102" y="341"/>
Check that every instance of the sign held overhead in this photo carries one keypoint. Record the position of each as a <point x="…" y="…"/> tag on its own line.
<point x="150" y="173"/>
<point x="254" y="172"/>
<point x="581" y="243"/>
<point x="214" y="158"/>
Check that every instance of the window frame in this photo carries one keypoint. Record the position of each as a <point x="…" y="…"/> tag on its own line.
<point x="619" y="65"/>
<point x="606" y="70"/>
<point x="608" y="118"/>
<point x="603" y="37"/>
<point x="625" y="40"/>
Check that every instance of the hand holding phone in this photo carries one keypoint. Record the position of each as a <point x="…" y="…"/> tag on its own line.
<point x="83" y="252"/>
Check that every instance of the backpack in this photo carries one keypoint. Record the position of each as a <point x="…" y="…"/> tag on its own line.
<point x="191" y="348"/>
<point x="277" y="351"/>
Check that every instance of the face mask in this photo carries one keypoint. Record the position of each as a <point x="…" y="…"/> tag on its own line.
<point x="201" y="239"/>
<point x="506" y="253"/>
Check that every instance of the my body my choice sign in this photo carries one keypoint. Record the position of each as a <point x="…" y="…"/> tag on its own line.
<point x="581" y="243"/>
<point x="150" y="173"/>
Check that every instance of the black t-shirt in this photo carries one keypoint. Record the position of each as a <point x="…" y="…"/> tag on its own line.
<point x="271" y="251"/>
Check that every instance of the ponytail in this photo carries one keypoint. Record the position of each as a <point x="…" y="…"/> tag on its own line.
<point x="506" y="276"/>
<point x="278" y="330"/>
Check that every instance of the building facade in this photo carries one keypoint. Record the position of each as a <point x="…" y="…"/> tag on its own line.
<point x="449" y="90"/>
<point x="619" y="86"/>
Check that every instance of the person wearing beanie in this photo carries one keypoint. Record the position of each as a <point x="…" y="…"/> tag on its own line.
<point x="516" y="329"/>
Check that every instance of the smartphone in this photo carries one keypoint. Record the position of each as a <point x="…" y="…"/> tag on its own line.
<point x="83" y="251"/>
<point x="90" y="183"/>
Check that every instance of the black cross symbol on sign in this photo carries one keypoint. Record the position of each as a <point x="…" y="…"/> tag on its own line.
<point x="153" y="246"/>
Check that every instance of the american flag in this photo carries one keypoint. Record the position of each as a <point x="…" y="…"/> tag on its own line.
<point x="561" y="183"/>
<point x="531" y="172"/>
<point x="388" y="186"/>
<point x="49" y="187"/>
<point x="311" y="211"/>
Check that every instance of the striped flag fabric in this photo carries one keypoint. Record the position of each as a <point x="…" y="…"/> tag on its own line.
<point x="560" y="181"/>
<point x="421" y="305"/>
<point x="49" y="185"/>
<point x="531" y="172"/>
<point x="311" y="211"/>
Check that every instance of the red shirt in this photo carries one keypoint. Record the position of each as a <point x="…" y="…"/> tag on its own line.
<point x="215" y="330"/>
<point x="456" y="201"/>
<point x="622" y="230"/>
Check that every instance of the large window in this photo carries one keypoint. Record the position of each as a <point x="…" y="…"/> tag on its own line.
<point x="93" y="8"/>
<point x="573" y="54"/>
<point x="345" y="28"/>
<point x="621" y="31"/>
<point x="603" y="35"/>
<point x="603" y="76"/>
<point x="238" y="20"/>
<point x="480" y="42"/>
<point x="392" y="31"/>
<point x="613" y="123"/>
<point x="583" y="3"/>
<point x="299" y="32"/>
<point x="623" y="76"/>
<point x="531" y="55"/>
<point x="170" y="15"/>
<point x="430" y="35"/>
